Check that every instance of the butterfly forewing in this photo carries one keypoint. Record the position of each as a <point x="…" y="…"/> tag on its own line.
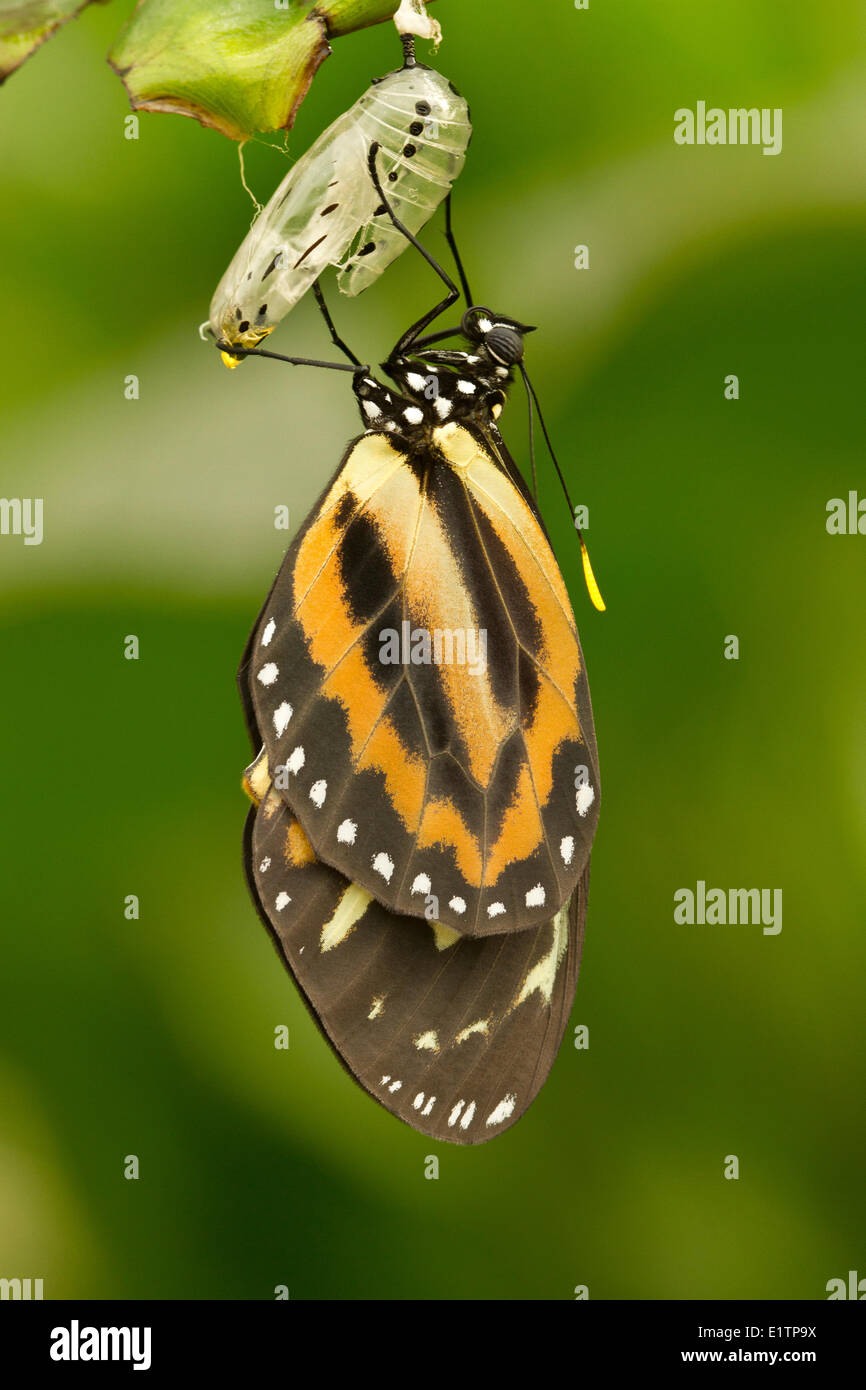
<point x="453" y="1035"/>
<point x="435" y="784"/>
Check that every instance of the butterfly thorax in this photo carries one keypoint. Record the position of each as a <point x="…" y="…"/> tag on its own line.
<point x="431" y="390"/>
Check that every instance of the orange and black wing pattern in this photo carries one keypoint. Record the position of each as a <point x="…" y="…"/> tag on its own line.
<point x="451" y="1034"/>
<point x="417" y="682"/>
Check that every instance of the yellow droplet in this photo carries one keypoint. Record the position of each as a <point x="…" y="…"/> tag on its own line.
<point x="231" y="361"/>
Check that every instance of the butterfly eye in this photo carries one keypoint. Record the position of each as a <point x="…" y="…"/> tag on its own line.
<point x="505" y="344"/>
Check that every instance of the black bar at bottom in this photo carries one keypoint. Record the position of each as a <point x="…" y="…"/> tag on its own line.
<point x="222" y="1338"/>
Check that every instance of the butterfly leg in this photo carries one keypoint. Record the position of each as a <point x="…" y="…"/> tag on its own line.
<point x="408" y="338"/>
<point x="443" y="333"/>
<point x="458" y="260"/>
<point x="335" y="337"/>
<point x="227" y="349"/>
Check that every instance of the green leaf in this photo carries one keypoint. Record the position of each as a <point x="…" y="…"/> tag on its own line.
<point x="242" y="66"/>
<point x="25" y="24"/>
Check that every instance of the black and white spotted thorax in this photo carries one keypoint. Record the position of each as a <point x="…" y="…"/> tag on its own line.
<point x="436" y="387"/>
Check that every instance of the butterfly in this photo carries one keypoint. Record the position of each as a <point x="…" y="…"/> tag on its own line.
<point x="426" y="788"/>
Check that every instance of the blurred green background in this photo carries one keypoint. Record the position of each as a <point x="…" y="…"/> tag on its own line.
<point x="707" y="518"/>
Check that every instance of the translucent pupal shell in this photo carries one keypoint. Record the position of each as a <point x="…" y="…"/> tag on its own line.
<point x="326" y="211"/>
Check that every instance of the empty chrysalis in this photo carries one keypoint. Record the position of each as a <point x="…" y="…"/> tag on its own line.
<point x="326" y="211"/>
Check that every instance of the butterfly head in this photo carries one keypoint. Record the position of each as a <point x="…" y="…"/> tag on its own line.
<point x="438" y="386"/>
<point x="500" y="338"/>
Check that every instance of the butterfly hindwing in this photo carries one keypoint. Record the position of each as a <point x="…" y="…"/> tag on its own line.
<point x="453" y="1035"/>
<point x="444" y="784"/>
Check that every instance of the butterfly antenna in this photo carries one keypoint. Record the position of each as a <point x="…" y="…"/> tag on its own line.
<point x="532" y="444"/>
<point x="589" y="578"/>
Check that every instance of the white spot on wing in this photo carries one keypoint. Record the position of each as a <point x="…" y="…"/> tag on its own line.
<point x="416" y="381"/>
<point x="264" y="866"/>
<point x="421" y="884"/>
<point x="282" y="715"/>
<point x="428" y="1041"/>
<point x="496" y="909"/>
<point x="566" y="849"/>
<point x="346" y="832"/>
<point x="372" y="410"/>
<point x="543" y="974"/>
<point x="457" y="905"/>
<point x="282" y="901"/>
<point x="383" y="864"/>
<point x="352" y="905"/>
<point x="443" y="407"/>
<point x="376" y="1010"/>
<point x="536" y="896"/>
<point x="318" y="792"/>
<point x="269" y="672"/>
<point x="296" y="761"/>
<point x="502" y="1111"/>
<point x="268" y="633"/>
<point x="468" y="1116"/>
<point x="413" y="415"/>
<point x="395" y="1086"/>
<point x="584" y="798"/>
<point x="429" y="1106"/>
<point x="467" y="387"/>
<point x="482" y="1026"/>
<point x="455" y="1113"/>
<point x="418" y="1101"/>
